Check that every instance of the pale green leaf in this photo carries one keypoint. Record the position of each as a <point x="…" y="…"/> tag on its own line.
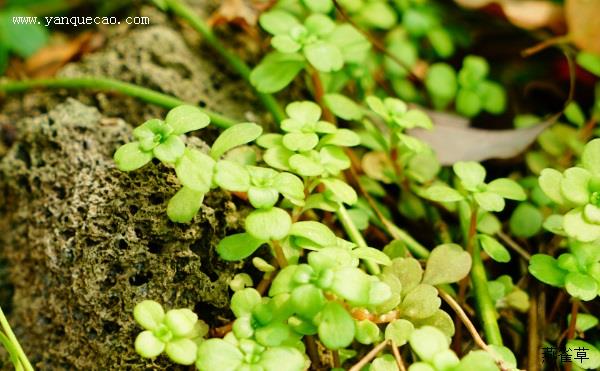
<point x="130" y="157"/>
<point x="184" y="205"/>
<point x="447" y="263"/>
<point x="268" y="224"/>
<point x="494" y="248"/>
<point x="238" y="246"/>
<point x="234" y="136"/>
<point x="186" y="118"/>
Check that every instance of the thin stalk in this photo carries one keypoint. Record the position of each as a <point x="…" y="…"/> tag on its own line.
<point x="103" y="83"/>
<point x="198" y="24"/>
<point x="571" y="331"/>
<point x="485" y="305"/>
<point x="355" y="236"/>
<point x="533" y="340"/>
<point x="513" y="245"/>
<point x="13" y="339"/>
<point x="279" y="255"/>
<point x="398" y="357"/>
<point x="369" y="356"/>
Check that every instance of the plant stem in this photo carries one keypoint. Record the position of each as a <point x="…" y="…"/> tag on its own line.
<point x="397" y="356"/>
<point x="369" y="356"/>
<point x="513" y="245"/>
<point x="572" y="325"/>
<point x="13" y="339"/>
<point x="183" y="11"/>
<point x="355" y="236"/>
<point x="485" y="306"/>
<point x="103" y="83"/>
<point x="279" y="254"/>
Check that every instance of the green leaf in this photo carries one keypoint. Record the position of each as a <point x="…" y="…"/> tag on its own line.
<point x="526" y="221"/>
<point x="420" y="302"/>
<point x="591" y="214"/>
<point x="440" y="320"/>
<point x="170" y="150"/>
<point x="372" y="255"/>
<point x="232" y="176"/>
<point x="149" y="314"/>
<point x="574" y="114"/>
<point x="147" y="345"/>
<point x="441" y="84"/>
<point x="408" y="270"/>
<point x="282" y="358"/>
<point x="589" y="61"/>
<point x="218" y="355"/>
<point x="494" y="248"/>
<point x="278" y="157"/>
<point x="343" y="107"/>
<point x="291" y="187"/>
<point x="186" y="118"/>
<point x="270" y="140"/>
<point x="574" y="185"/>
<point x="549" y="181"/>
<point x="385" y="362"/>
<point x="339" y="191"/>
<point x="507" y="188"/>
<point x="184" y="205"/>
<point x="300" y="141"/>
<point x="468" y="103"/>
<point x="399" y="331"/>
<point x="353" y="285"/>
<point x="489" y="201"/>
<point x="262" y="197"/>
<point x="378" y="14"/>
<point x="305" y="165"/>
<point x="353" y="45"/>
<point x="493" y="97"/>
<point x="445" y="360"/>
<point x="478" y="360"/>
<point x="333" y="159"/>
<point x="471" y="173"/>
<point x="581" y="286"/>
<point x="342" y="137"/>
<point x="336" y="328"/>
<point x="545" y="268"/>
<point x="268" y="224"/>
<point x="442" y="193"/>
<point x="324" y="56"/>
<point x="319" y="6"/>
<point x="195" y="170"/>
<point x="278" y="22"/>
<point x="182" y="351"/>
<point x="243" y="302"/>
<point x="367" y="332"/>
<point x="314" y="231"/>
<point x="590" y="356"/>
<point x="447" y="263"/>
<point x="307" y="300"/>
<point x="591" y="156"/>
<point x="181" y="321"/>
<point x="233" y="137"/>
<point x="285" y="44"/>
<point x="584" y="321"/>
<point x="428" y="341"/>
<point x="417" y="118"/>
<point x="238" y="246"/>
<point x="441" y="41"/>
<point x="276" y="71"/>
<point x="130" y="157"/>
<point x="23" y="39"/>
<point x="319" y="24"/>
<point x="300" y="113"/>
<point x="576" y="227"/>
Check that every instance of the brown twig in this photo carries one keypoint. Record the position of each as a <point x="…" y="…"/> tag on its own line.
<point x="397" y="356"/>
<point x="281" y="259"/>
<point x="369" y="356"/>
<point x="311" y="348"/>
<point x="544" y="45"/>
<point x="572" y="324"/>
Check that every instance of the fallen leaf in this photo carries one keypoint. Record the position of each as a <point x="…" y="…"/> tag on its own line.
<point x="527" y="14"/>
<point x="453" y="141"/>
<point x="49" y="59"/>
<point x="583" y="20"/>
<point x="238" y="12"/>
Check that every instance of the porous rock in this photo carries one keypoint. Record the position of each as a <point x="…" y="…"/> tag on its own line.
<point x="85" y="242"/>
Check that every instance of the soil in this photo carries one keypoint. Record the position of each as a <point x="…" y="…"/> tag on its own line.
<point x="81" y="242"/>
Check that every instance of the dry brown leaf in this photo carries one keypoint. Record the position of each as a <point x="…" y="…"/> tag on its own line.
<point x="238" y="12"/>
<point x="583" y="19"/>
<point x="527" y="14"/>
<point x="49" y="59"/>
<point x="453" y="141"/>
